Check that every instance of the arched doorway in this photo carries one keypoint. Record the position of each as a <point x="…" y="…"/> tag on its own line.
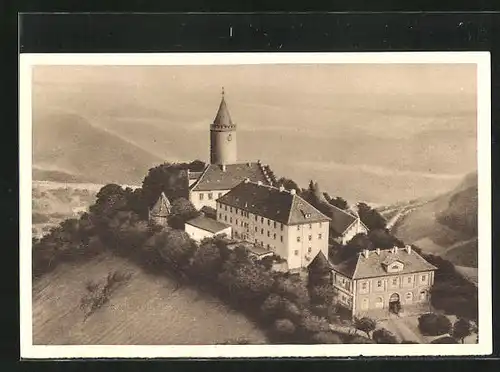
<point x="394" y="303"/>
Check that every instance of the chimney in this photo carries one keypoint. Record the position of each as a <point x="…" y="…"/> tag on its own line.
<point x="366" y="253"/>
<point x="292" y="191"/>
<point x="408" y="249"/>
<point x="259" y="183"/>
<point x="282" y="188"/>
<point x="223" y="167"/>
<point x="378" y="251"/>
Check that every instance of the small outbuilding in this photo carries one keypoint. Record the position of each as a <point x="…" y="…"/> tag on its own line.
<point x="160" y="211"/>
<point x="202" y="227"/>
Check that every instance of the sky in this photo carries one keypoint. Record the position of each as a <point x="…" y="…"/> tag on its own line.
<point x="380" y="133"/>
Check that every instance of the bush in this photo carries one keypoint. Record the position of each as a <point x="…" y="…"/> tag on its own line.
<point x="383" y="336"/>
<point x="432" y="324"/>
<point x="284" y="327"/>
<point x="461" y="329"/>
<point x="365" y="325"/>
<point x="444" y="340"/>
<point x="326" y="338"/>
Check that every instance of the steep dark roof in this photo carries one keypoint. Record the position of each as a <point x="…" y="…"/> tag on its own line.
<point x="216" y="178"/>
<point x="162" y="206"/>
<point x="223" y="118"/>
<point x="207" y="224"/>
<point x="359" y="266"/>
<point x="341" y="219"/>
<point x="269" y="202"/>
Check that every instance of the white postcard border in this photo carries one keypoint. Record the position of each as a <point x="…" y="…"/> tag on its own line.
<point x="484" y="347"/>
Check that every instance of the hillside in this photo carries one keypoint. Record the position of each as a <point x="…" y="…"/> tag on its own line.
<point x="446" y="225"/>
<point x="146" y="310"/>
<point x="67" y="147"/>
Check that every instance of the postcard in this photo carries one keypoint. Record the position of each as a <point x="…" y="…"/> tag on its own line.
<point x="255" y="205"/>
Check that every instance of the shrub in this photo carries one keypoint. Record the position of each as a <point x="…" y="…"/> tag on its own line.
<point x="365" y="325"/>
<point x="432" y="324"/>
<point x="444" y="340"/>
<point x="383" y="336"/>
<point x="292" y="288"/>
<point x="461" y="329"/>
<point x="326" y="338"/>
<point x="284" y="327"/>
<point x="310" y="323"/>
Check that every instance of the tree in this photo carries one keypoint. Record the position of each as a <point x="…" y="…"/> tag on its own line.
<point x="292" y="288"/>
<point x="325" y="337"/>
<point x="288" y="184"/>
<point x="339" y="203"/>
<point x="284" y="327"/>
<point x="272" y="305"/>
<point x="168" y="178"/>
<point x="365" y="325"/>
<point x="370" y="217"/>
<point x="310" y="323"/>
<point x="461" y="329"/>
<point x="323" y="294"/>
<point x="182" y="210"/>
<point x="381" y="238"/>
<point x="432" y="324"/>
<point x="207" y="261"/>
<point x="175" y="247"/>
<point x="383" y="336"/>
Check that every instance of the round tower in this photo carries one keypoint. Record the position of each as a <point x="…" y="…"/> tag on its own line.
<point x="223" y="136"/>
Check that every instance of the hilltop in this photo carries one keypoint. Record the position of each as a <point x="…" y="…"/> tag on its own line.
<point x="68" y="148"/>
<point x="446" y="225"/>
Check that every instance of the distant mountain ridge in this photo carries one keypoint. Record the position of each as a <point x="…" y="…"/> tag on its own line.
<point x="71" y="149"/>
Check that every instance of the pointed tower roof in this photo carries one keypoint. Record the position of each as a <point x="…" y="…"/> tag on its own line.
<point x="223" y="118"/>
<point x="162" y="207"/>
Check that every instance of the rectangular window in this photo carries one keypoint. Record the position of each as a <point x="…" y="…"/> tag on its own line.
<point x="201" y="196"/>
<point x="231" y="209"/>
<point x="225" y="218"/>
<point x="281" y="238"/>
<point x="309" y="249"/>
<point x="262" y="231"/>
<point x="219" y="195"/>
<point x="255" y="228"/>
<point x="395" y="281"/>
<point x="220" y="216"/>
<point x="379" y="284"/>
<point x="255" y="218"/>
<point x="268" y="234"/>
<point x="298" y="239"/>
<point x="423" y="278"/>
<point x="274" y="224"/>
<point x="296" y="252"/>
<point x="236" y="222"/>
<point x="274" y="236"/>
<point x="320" y="225"/>
<point x="298" y="227"/>
<point x="262" y="220"/>
<point x="409" y="279"/>
<point x="210" y="196"/>
<point x="231" y="219"/>
<point x="364" y="286"/>
<point x="310" y="237"/>
<point x="310" y="226"/>
<point x="225" y="207"/>
<point x="268" y="222"/>
<point x="320" y="236"/>
<point x="281" y="227"/>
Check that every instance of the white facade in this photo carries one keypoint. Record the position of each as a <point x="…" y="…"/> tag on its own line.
<point x="355" y="228"/>
<point x="205" y="198"/>
<point x="198" y="234"/>
<point x="298" y="244"/>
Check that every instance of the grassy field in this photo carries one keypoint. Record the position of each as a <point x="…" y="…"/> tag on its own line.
<point x="147" y="310"/>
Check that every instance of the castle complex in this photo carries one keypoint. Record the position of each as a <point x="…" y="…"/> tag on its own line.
<point x="244" y="202"/>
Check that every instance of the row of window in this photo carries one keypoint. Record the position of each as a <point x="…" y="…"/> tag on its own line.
<point x="296" y="252"/>
<point x="310" y="237"/>
<point x="394" y="282"/>
<point x="379" y="301"/>
<point x="210" y="195"/>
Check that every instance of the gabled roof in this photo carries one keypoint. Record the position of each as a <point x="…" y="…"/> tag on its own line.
<point x="223" y="119"/>
<point x="218" y="177"/>
<point x="207" y="224"/>
<point x="272" y="203"/>
<point x="162" y="206"/>
<point x="360" y="267"/>
<point x="340" y="219"/>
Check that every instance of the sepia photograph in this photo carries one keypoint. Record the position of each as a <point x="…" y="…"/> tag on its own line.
<point x="232" y="205"/>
